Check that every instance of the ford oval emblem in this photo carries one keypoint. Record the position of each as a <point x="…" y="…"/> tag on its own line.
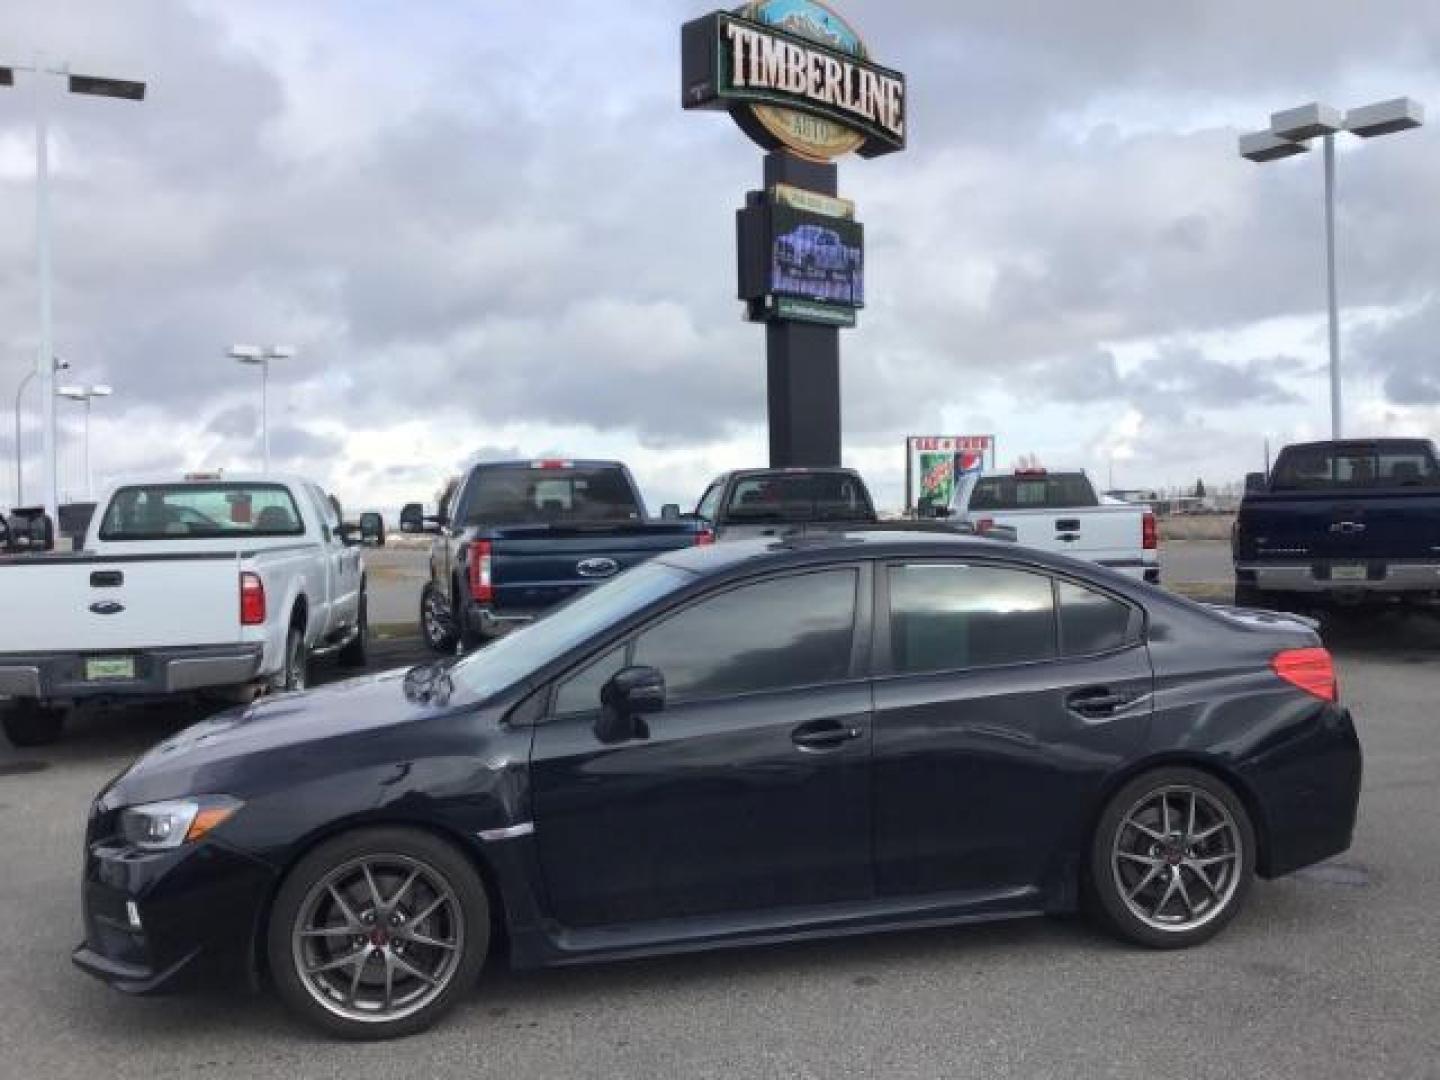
<point x="107" y="607"/>
<point x="597" y="568"/>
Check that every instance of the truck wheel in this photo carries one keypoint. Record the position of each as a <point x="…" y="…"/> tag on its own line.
<point x="436" y="626"/>
<point x="28" y="723"/>
<point x="357" y="653"/>
<point x="296" y="672"/>
<point x="1248" y="595"/>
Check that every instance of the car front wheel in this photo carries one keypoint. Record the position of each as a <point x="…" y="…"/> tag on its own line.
<point x="1172" y="858"/>
<point x="377" y="933"/>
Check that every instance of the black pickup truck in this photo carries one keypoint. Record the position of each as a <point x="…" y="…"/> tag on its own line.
<point x="768" y="502"/>
<point x="515" y="538"/>
<point x="1349" y="522"/>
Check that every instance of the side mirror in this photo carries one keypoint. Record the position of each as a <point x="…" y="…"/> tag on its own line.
<point x="412" y="518"/>
<point x="670" y="512"/>
<point x="629" y="696"/>
<point x="349" y="534"/>
<point x="432" y="524"/>
<point x="1255" y="481"/>
<point x="372" y="529"/>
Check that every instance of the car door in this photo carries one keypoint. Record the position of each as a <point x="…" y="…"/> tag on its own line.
<point x="1005" y="697"/>
<point x="750" y="790"/>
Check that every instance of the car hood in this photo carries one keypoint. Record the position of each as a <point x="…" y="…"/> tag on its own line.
<point x="291" y="727"/>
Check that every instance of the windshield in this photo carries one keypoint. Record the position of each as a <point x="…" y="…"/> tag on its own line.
<point x="181" y="511"/>
<point x="799" y="497"/>
<point x="1313" y="468"/>
<point x="514" y="656"/>
<point x="1053" y="491"/>
<point x="522" y="495"/>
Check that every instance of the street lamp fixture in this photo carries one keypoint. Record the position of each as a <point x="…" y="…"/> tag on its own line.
<point x="86" y="394"/>
<point x="1287" y="135"/>
<point x="254" y="354"/>
<point x="91" y="86"/>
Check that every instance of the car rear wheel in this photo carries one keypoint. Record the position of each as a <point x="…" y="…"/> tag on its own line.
<point x="28" y="723"/>
<point x="1172" y="858"/>
<point x="377" y="933"/>
<point x="436" y="624"/>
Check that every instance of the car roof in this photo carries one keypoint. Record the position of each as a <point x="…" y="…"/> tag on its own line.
<point x="779" y="551"/>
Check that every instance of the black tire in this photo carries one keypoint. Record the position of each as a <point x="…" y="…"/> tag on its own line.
<point x="357" y="653"/>
<point x="1128" y="823"/>
<point x="295" y="675"/>
<point x="469" y="639"/>
<point x="437" y="625"/>
<point x="28" y="723"/>
<point x="464" y="922"/>
<point x="1249" y="595"/>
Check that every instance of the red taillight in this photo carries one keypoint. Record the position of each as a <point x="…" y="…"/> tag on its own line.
<point x="704" y="537"/>
<point x="1149" y="532"/>
<point x="481" y="586"/>
<point x="252" y="599"/>
<point x="1312" y="670"/>
<point x="984" y="525"/>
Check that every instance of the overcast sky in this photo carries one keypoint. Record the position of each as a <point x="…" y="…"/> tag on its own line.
<point x="489" y="229"/>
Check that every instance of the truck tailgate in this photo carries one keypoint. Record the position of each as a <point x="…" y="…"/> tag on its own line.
<point x="87" y="603"/>
<point x="1341" y="525"/>
<point x="535" y="567"/>
<point x="1094" y="533"/>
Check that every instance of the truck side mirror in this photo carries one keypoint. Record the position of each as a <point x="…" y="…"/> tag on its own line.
<point x="1255" y="481"/>
<point x="42" y="533"/>
<point x="412" y="518"/>
<point x="670" y="512"/>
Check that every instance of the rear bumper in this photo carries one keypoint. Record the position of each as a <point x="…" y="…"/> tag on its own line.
<point x="158" y="672"/>
<point x="1139" y="569"/>
<point x="1380" y="577"/>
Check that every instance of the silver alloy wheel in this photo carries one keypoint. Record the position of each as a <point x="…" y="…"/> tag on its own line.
<point x="295" y="663"/>
<point x="1177" y="858"/>
<point x="435" y="621"/>
<point x="378" y="938"/>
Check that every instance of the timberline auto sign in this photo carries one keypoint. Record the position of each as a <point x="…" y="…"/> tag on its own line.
<point x="795" y="75"/>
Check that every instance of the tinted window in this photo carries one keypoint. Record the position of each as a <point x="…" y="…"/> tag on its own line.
<point x="1356" y="466"/>
<point x="581" y="692"/>
<point x="947" y="617"/>
<point x="1091" y="622"/>
<point x="181" y="511"/>
<point x="793" y="631"/>
<point x="799" y="497"/>
<point x="1052" y="491"/>
<point x="521" y="495"/>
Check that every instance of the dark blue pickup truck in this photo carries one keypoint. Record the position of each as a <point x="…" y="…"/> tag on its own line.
<point x="515" y="538"/>
<point x="1348" y="522"/>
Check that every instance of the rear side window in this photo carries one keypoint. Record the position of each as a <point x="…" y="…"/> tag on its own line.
<point x="1091" y="622"/>
<point x="799" y="497"/>
<point x="776" y="634"/>
<point x="522" y="495"/>
<point x="1051" y="491"/>
<point x="1310" y="468"/>
<point x="951" y="617"/>
<point x="200" y="511"/>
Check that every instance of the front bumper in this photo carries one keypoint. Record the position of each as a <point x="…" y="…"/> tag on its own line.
<point x="154" y="921"/>
<point x="158" y="672"/>
<point x="1381" y="577"/>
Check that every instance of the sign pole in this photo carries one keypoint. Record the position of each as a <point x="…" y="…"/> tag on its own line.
<point x="802" y="359"/>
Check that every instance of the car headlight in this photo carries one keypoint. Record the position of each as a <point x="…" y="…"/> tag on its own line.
<point x="160" y="826"/>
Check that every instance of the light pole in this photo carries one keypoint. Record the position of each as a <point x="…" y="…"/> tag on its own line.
<point x="96" y="86"/>
<point x="1289" y="134"/>
<point x="60" y="365"/>
<point x="86" y="394"/>
<point x="254" y="354"/>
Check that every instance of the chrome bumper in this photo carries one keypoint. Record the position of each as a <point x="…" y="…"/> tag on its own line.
<point x="1315" y="578"/>
<point x="61" y="676"/>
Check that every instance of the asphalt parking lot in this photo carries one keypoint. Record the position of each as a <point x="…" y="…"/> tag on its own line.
<point x="1332" y="973"/>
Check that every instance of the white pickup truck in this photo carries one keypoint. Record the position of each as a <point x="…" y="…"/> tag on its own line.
<point x="1061" y="512"/>
<point x="198" y="585"/>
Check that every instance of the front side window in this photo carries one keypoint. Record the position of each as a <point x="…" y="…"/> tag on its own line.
<point x="776" y="634"/>
<point x="710" y="502"/>
<point x="954" y="617"/>
<point x="200" y="511"/>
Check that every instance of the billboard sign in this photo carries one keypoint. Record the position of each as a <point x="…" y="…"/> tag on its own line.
<point x="935" y="463"/>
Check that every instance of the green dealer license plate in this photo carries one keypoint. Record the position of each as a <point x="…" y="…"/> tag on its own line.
<point x="105" y="668"/>
<point x="1348" y="573"/>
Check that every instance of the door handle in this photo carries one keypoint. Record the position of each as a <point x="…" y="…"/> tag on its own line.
<point x="824" y="735"/>
<point x="1067" y="525"/>
<point x="1097" y="702"/>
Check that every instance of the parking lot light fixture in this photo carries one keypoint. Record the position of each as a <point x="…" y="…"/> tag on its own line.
<point x="254" y="354"/>
<point x="1289" y="132"/>
<point x="91" y="86"/>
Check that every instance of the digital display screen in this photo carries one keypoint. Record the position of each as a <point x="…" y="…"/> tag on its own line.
<point x="816" y="257"/>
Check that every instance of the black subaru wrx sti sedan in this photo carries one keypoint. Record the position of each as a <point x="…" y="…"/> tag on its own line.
<point x="762" y="741"/>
